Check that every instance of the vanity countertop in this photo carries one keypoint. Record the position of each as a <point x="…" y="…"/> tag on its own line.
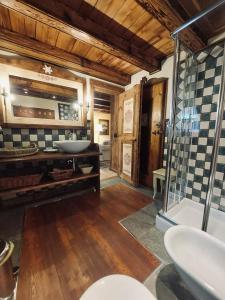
<point x="41" y="156"/>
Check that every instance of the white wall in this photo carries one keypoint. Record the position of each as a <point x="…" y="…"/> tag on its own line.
<point x="166" y="72"/>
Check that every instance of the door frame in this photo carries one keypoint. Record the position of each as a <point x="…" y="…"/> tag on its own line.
<point x="103" y="87"/>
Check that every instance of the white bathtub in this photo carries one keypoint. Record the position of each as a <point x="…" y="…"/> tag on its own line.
<point x="190" y="213"/>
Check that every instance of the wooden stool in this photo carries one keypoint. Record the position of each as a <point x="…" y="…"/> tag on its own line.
<point x="161" y="175"/>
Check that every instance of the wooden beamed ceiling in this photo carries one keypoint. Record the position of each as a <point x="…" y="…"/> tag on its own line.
<point x="63" y="16"/>
<point x="108" y="39"/>
<point x="170" y="19"/>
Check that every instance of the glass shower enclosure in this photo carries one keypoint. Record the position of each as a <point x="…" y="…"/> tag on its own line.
<point x="195" y="184"/>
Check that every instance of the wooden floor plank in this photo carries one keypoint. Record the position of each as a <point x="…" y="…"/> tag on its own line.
<point x="70" y="244"/>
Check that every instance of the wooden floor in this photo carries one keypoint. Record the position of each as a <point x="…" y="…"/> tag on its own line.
<point x="70" y="244"/>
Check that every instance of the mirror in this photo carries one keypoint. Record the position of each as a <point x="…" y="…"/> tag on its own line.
<point x="35" y="99"/>
<point x="39" y="100"/>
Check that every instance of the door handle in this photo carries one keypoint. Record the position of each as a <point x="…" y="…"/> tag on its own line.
<point x="158" y="132"/>
<point x="155" y="132"/>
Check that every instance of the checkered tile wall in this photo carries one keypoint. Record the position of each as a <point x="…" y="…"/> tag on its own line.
<point x="16" y="137"/>
<point x="198" y="93"/>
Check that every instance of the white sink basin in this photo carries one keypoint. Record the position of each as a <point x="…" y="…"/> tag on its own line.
<point x="73" y="146"/>
<point x="200" y="260"/>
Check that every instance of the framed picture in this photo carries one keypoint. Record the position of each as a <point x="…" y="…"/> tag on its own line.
<point x="104" y="127"/>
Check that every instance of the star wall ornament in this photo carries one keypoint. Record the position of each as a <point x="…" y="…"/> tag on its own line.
<point x="47" y="69"/>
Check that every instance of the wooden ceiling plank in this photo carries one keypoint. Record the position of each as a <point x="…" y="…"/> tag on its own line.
<point x="124" y="10"/>
<point x="141" y="21"/>
<point x="65" y="42"/>
<point x="130" y="70"/>
<point x="146" y="31"/>
<point x="5" y="21"/>
<point x="30" y="27"/>
<point x="84" y="29"/>
<point x="108" y="7"/>
<point x="44" y="52"/>
<point x="17" y="22"/>
<point x="132" y="17"/>
<point x="168" y="17"/>
<point x="95" y="54"/>
<point x="41" y="32"/>
<point x="81" y="48"/>
<point x="116" y="24"/>
<point x="52" y="36"/>
<point x="46" y="34"/>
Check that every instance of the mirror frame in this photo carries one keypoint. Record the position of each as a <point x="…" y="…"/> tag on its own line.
<point x="38" y="67"/>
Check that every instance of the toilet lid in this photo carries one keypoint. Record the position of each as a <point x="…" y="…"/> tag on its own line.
<point x="117" y="287"/>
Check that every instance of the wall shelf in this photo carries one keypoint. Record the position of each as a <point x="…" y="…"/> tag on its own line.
<point x="42" y="156"/>
<point x="46" y="185"/>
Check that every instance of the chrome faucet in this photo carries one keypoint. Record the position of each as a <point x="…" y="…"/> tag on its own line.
<point x="71" y="134"/>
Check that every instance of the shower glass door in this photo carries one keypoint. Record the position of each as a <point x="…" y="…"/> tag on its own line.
<point x="197" y="96"/>
<point x="186" y="127"/>
<point x="216" y="221"/>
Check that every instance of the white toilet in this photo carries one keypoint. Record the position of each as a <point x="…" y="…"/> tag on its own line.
<point x="117" y="287"/>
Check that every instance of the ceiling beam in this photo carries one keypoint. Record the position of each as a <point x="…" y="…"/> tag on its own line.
<point x="64" y="17"/>
<point x="37" y="66"/>
<point x="103" y="87"/>
<point x="170" y="19"/>
<point x="23" y="45"/>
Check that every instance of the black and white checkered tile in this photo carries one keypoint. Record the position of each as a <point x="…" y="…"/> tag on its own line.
<point x="17" y="137"/>
<point x="195" y="128"/>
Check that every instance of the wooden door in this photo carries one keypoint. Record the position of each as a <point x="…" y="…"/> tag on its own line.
<point x="129" y="108"/>
<point x="154" y="96"/>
